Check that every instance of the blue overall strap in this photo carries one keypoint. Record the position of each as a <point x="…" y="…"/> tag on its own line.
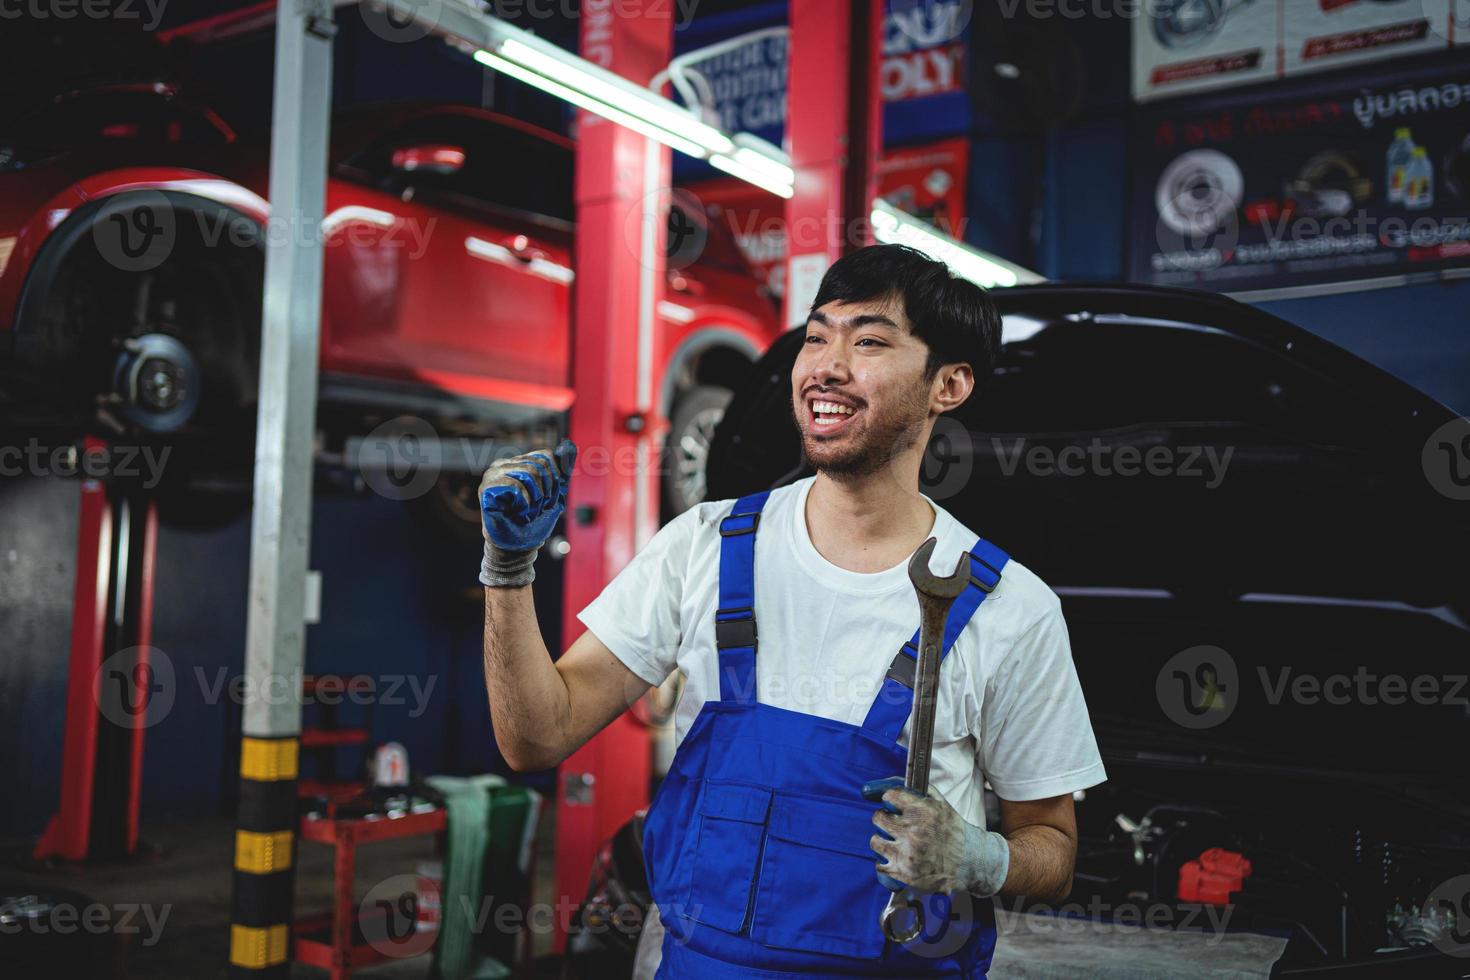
<point x="735" y="617"/>
<point x="891" y="709"/>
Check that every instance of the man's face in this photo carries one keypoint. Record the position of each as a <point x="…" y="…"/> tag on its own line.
<point x="858" y="388"/>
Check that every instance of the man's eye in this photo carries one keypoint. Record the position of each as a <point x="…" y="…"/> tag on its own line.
<point x="812" y="337"/>
<point x="871" y="340"/>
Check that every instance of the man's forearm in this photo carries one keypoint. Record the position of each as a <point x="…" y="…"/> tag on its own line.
<point x="1041" y="863"/>
<point x="529" y="705"/>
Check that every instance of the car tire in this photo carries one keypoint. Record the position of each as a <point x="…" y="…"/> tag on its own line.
<point x="697" y="411"/>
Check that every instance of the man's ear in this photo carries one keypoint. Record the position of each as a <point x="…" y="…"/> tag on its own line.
<point x="952" y="386"/>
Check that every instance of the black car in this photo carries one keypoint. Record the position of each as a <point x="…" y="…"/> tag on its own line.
<point x="1260" y="542"/>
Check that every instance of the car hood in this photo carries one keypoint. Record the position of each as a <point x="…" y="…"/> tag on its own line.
<point x="1264" y="460"/>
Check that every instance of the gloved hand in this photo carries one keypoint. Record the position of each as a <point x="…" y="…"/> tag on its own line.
<point x="520" y="501"/>
<point x="926" y="845"/>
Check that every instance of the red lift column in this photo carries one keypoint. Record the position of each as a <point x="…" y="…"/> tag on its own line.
<point x="110" y="681"/>
<point x="834" y="128"/>
<point x="613" y="419"/>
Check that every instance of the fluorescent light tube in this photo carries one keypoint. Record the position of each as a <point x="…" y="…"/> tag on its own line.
<point x="583" y="77"/>
<point x="762" y="178"/>
<point x="584" y="101"/>
<point x="893" y="227"/>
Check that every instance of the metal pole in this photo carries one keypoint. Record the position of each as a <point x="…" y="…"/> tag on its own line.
<point x="260" y="928"/>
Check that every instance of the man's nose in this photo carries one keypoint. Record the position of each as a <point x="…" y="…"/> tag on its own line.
<point x="831" y="365"/>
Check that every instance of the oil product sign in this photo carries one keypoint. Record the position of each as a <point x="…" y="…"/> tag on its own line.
<point x="1363" y="179"/>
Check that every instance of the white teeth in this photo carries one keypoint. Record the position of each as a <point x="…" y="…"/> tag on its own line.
<point x="831" y="408"/>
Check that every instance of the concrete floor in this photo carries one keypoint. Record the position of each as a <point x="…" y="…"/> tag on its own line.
<point x="186" y="888"/>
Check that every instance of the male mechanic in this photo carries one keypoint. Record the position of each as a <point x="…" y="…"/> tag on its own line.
<point x="760" y="845"/>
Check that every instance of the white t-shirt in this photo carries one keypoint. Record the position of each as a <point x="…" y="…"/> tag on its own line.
<point x="1010" y="707"/>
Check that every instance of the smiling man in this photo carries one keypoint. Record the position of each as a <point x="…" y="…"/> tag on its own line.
<point x="791" y="616"/>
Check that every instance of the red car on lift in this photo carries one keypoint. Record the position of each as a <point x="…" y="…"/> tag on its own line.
<point x="133" y="227"/>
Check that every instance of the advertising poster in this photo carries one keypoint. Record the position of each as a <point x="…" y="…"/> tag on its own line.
<point x="928" y="182"/>
<point x="1186" y="46"/>
<point x="1326" y="34"/>
<point x="1183" y="46"/>
<point x="1366" y="179"/>
<point x="923" y="78"/>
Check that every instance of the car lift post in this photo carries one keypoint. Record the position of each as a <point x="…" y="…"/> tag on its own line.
<point x="110" y="679"/>
<point x="834" y="126"/>
<point x="265" y="836"/>
<point x="614" y="495"/>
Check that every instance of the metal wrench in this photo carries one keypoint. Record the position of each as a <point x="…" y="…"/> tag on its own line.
<point x="936" y="595"/>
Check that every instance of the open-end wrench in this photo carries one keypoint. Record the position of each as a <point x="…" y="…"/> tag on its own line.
<point x="936" y="595"/>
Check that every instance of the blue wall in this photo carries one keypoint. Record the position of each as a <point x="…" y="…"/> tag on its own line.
<point x="400" y="603"/>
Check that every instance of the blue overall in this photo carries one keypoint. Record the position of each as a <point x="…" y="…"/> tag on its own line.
<point x="758" y="841"/>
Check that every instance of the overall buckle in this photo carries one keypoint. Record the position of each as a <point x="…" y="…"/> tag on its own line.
<point x="729" y="531"/>
<point x="736" y="632"/>
<point x="979" y="584"/>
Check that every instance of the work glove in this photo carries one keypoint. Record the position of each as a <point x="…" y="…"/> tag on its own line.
<point x="926" y="845"/>
<point x="521" y="499"/>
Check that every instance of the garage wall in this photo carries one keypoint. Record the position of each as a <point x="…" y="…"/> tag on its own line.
<point x="400" y="604"/>
<point x="1419" y="333"/>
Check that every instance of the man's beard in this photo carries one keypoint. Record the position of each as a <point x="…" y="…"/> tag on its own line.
<point x="885" y="435"/>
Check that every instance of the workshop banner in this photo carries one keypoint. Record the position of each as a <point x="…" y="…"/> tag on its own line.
<point x="1184" y="46"/>
<point x="923" y="79"/>
<point x="1356" y="181"/>
<point x="929" y="182"/>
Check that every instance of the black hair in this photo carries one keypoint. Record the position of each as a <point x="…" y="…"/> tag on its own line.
<point x="955" y="318"/>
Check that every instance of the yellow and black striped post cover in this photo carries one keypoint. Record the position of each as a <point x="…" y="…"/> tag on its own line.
<point x="260" y="928"/>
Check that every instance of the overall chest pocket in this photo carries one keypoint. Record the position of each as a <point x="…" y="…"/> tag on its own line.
<point x="727" y="852"/>
<point x="817" y="891"/>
